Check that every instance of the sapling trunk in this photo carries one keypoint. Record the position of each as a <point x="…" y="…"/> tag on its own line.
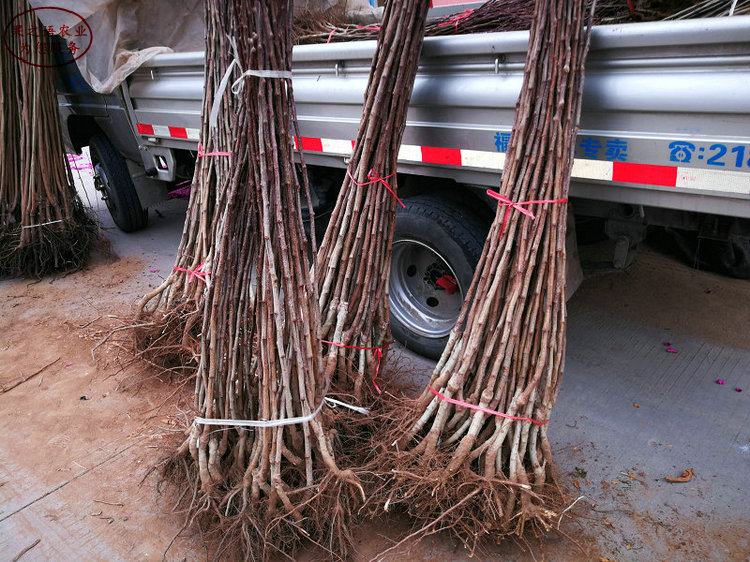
<point x="354" y="261"/>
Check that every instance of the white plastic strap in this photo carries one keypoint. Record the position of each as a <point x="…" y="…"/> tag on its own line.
<point x="279" y="423"/>
<point x="42" y="224"/>
<point x="363" y="411"/>
<point x="213" y="117"/>
<point x="238" y="84"/>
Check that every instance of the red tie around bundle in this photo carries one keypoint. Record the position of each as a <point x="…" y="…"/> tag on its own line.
<point x="518" y="206"/>
<point x="374" y="177"/>
<point x="456" y="19"/>
<point x="194" y="272"/>
<point x="377" y="353"/>
<point x="201" y="154"/>
<point x="481" y="409"/>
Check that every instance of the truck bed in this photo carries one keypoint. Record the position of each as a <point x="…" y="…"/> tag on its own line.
<point x="665" y="123"/>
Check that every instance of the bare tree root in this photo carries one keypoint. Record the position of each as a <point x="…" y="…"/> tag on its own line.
<point x="55" y="248"/>
<point x="472" y="508"/>
<point x="238" y="527"/>
<point x="171" y="339"/>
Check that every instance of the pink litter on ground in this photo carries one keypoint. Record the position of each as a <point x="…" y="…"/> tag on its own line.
<point x="738" y="389"/>
<point x="182" y="192"/>
<point x="68" y="364"/>
<point x="721" y="381"/>
<point x="152" y="270"/>
<point x="120" y="281"/>
<point x="671" y="350"/>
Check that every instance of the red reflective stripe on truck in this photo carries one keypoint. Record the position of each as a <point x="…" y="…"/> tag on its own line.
<point x="311" y="143"/>
<point x="436" y="155"/>
<point x="648" y="174"/>
<point x="178" y="132"/>
<point x="145" y="129"/>
<point x="600" y="170"/>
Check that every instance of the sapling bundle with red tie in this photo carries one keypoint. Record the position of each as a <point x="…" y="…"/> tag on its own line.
<point x="472" y="455"/>
<point x="44" y="226"/>
<point x="170" y="317"/>
<point x="260" y="455"/>
<point x="355" y="256"/>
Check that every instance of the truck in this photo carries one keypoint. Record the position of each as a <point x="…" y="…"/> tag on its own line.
<point x="664" y="141"/>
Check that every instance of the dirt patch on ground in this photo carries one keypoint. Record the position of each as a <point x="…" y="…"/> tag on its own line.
<point x="82" y="433"/>
<point x="661" y="291"/>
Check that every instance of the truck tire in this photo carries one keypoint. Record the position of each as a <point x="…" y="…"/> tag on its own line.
<point x="112" y="178"/>
<point x="731" y="257"/>
<point x="436" y="247"/>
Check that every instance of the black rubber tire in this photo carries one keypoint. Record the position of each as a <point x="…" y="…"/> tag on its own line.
<point x="732" y="257"/>
<point x="121" y="196"/>
<point x="453" y="232"/>
<point x="729" y="257"/>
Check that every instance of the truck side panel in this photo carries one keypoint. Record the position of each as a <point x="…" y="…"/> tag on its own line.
<point x="666" y="116"/>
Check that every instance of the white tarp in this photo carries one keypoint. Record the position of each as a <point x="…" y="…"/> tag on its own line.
<point x="127" y="33"/>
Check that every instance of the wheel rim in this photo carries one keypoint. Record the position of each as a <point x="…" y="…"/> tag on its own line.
<point x="417" y="299"/>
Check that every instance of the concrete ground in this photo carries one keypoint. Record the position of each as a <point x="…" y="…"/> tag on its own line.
<point x="629" y="414"/>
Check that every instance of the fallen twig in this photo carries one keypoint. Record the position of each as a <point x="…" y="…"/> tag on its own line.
<point x="88" y="323"/>
<point x="109" y="503"/>
<point x="5" y="389"/>
<point x="25" y="550"/>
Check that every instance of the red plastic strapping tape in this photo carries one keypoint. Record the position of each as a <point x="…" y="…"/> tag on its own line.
<point x="481" y="409"/>
<point x="194" y="272"/>
<point x="377" y="352"/>
<point x="456" y="19"/>
<point x="201" y="154"/>
<point x="518" y="206"/>
<point x="374" y="177"/>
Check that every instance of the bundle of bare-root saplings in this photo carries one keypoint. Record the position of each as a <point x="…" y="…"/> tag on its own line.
<point x="44" y="226"/>
<point x="472" y="454"/>
<point x="259" y="457"/>
<point x="354" y="262"/>
<point x="171" y="316"/>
